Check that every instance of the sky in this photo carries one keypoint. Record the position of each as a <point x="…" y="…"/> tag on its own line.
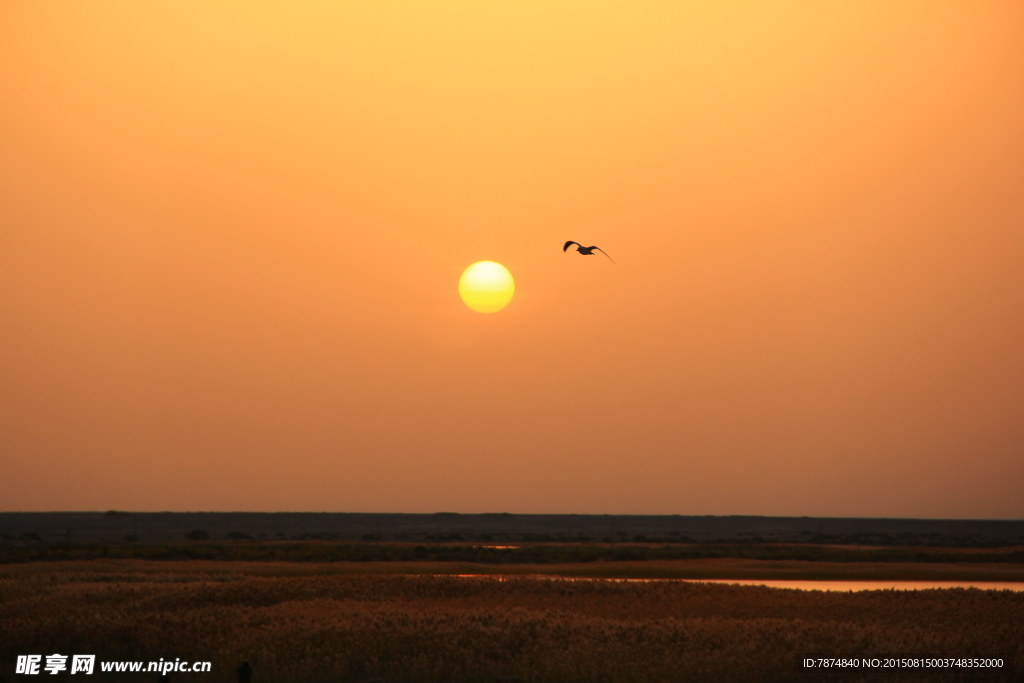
<point x="231" y="236"/>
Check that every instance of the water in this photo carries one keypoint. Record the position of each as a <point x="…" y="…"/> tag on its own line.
<point x="794" y="584"/>
<point x="856" y="586"/>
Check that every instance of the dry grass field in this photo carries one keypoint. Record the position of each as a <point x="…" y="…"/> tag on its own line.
<point x="311" y="623"/>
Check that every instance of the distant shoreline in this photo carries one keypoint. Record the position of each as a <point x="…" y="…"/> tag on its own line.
<point x="120" y="527"/>
<point x="711" y="568"/>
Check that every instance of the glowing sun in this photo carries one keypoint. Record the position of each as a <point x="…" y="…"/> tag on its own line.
<point x="486" y="286"/>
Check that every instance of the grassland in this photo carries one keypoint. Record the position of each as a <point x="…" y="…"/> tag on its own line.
<point x="308" y="622"/>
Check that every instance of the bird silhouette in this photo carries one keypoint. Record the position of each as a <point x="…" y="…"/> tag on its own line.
<point x="586" y="251"/>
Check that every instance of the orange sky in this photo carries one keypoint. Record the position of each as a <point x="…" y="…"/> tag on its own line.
<point x="231" y="235"/>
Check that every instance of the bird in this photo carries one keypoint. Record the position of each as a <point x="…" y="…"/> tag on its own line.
<point x="586" y="251"/>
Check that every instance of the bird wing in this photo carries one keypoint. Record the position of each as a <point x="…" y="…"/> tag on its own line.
<point x="602" y="251"/>
<point x="566" y="245"/>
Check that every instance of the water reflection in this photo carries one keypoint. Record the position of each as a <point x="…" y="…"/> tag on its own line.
<point x="872" y="585"/>
<point x="794" y="584"/>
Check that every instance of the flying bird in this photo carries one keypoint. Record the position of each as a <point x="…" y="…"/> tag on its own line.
<point x="586" y="251"/>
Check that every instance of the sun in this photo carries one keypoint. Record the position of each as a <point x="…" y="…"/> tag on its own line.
<point x="486" y="287"/>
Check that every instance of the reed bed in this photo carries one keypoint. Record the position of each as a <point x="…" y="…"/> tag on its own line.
<point x="453" y="629"/>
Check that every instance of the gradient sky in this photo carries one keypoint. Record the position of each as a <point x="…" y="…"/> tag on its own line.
<point x="231" y="235"/>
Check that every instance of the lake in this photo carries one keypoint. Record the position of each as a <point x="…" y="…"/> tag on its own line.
<point x="794" y="584"/>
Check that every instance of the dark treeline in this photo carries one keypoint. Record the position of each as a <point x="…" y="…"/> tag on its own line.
<point x="166" y="528"/>
<point x="535" y="554"/>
